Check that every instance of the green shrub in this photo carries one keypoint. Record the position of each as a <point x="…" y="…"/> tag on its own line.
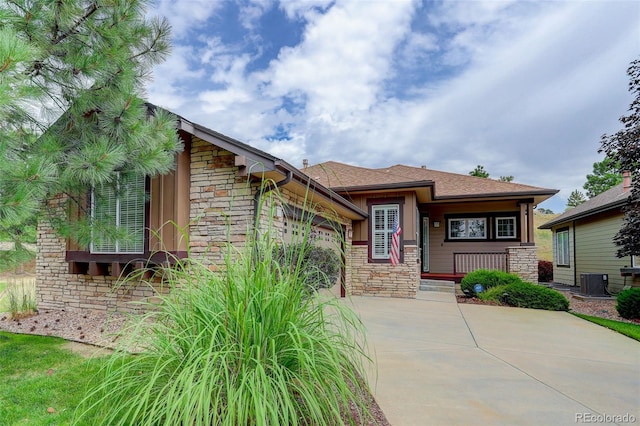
<point x="494" y="294"/>
<point x="319" y="266"/>
<point x="527" y="295"/>
<point x="628" y="305"/>
<point x="245" y="346"/>
<point x="545" y="271"/>
<point x="488" y="278"/>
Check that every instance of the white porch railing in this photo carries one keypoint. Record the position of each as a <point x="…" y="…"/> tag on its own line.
<point x="463" y="263"/>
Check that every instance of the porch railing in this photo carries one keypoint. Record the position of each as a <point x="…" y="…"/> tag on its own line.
<point x="464" y="263"/>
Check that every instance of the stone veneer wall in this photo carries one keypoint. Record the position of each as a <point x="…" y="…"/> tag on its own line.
<point x="383" y="279"/>
<point x="523" y="261"/>
<point x="56" y="288"/>
<point x="221" y="211"/>
<point x="221" y="203"/>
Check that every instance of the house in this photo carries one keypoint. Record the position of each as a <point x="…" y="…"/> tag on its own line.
<point x="451" y="224"/>
<point x="213" y="193"/>
<point x="583" y="241"/>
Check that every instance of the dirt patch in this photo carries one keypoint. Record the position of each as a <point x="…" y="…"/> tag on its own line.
<point x="87" y="351"/>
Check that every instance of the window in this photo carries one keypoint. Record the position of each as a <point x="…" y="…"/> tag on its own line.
<point x="562" y="247"/>
<point x="121" y="206"/>
<point x="383" y="219"/>
<point x="505" y="227"/>
<point x="635" y="261"/>
<point x="468" y="228"/>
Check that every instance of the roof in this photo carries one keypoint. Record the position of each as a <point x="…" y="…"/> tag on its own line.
<point x="446" y="186"/>
<point x="262" y="164"/>
<point x="610" y="199"/>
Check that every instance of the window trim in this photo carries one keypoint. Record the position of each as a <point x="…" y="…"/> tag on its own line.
<point x="145" y="219"/>
<point x="497" y="228"/>
<point x="374" y="203"/>
<point x="490" y="219"/>
<point x="559" y="248"/>
<point x="466" y="220"/>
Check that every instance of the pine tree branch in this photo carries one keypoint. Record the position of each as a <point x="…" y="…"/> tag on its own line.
<point x="73" y="29"/>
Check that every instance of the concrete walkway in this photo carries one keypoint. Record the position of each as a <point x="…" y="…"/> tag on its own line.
<point x="440" y="363"/>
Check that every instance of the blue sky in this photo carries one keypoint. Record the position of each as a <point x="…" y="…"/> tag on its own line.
<point x="522" y="88"/>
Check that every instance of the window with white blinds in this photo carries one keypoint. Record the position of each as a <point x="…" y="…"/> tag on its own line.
<point x="121" y="205"/>
<point x="383" y="219"/>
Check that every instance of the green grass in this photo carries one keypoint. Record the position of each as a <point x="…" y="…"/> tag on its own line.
<point x="37" y="373"/>
<point x="630" y="330"/>
<point x="543" y="237"/>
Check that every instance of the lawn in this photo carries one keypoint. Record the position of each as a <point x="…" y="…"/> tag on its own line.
<point x="543" y="237"/>
<point x="41" y="381"/>
<point x="630" y="330"/>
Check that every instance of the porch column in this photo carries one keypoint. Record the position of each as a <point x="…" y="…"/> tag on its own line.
<point x="526" y="223"/>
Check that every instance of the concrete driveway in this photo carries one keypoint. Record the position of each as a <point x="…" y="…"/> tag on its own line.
<point x="440" y="363"/>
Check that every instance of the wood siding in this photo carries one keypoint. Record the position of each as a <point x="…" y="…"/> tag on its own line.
<point x="169" y="209"/>
<point x="596" y="252"/>
<point x="564" y="274"/>
<point x="593" y="251"/>
<point x="409" y="214"/>
<point x="441" y="251"/>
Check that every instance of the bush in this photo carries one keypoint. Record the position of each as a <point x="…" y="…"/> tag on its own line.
<point x="244" y="346"/>
<point x="494" y="294"/>
<point x="628" y="305"/>
<point x="488" y="278"/>
<point x="319" y="266"/>
<point x="545" y="271"/>
<point x="527" y="295"/>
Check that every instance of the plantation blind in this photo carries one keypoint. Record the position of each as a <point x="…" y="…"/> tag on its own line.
<point x="120" y="206"/>
<point x="384" y="217"/>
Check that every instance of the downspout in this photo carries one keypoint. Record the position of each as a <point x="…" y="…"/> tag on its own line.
<point x="575" y="258"/>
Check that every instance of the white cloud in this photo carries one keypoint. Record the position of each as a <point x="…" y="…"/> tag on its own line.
<point x="185" y="16"/>
<point x="523" y="88"/>
<point x="344" y="58"/>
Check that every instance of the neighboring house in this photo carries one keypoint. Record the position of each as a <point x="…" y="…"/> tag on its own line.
<point x="213" y="194"/>
<point x="451" y="224"/>
<point x="583" y="240"/>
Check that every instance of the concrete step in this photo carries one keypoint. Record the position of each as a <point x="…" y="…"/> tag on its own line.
<point x="437" y="285"/>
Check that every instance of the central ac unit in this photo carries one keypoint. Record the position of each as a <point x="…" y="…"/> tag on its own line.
<point x="594" y="284"/>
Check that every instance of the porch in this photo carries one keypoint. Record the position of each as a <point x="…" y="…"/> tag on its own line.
<point x="520" y="260"/>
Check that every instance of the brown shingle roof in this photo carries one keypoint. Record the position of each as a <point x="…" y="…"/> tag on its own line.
<point x="339" y="176"/>
<point x="609" y="199"/>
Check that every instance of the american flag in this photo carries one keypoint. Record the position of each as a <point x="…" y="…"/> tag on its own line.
<point x="394" y="253"/>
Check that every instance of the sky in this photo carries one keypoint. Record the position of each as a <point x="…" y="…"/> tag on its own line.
<point x="523" y="88"/>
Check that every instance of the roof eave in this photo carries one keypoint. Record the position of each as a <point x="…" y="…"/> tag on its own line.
<point x="585" y="214"/>
<point x="326" y="193"/>
<point x="383" y="186"/>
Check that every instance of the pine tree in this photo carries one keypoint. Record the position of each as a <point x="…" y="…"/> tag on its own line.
<point x="605" y="176"/>
<point x="479" y="171"/>
<point x="623" y="147"/>
<point x="575" y="199"/>
<point x="81" y="65"/>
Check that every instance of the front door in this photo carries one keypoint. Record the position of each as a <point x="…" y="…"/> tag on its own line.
<point x="425" y="244"/>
